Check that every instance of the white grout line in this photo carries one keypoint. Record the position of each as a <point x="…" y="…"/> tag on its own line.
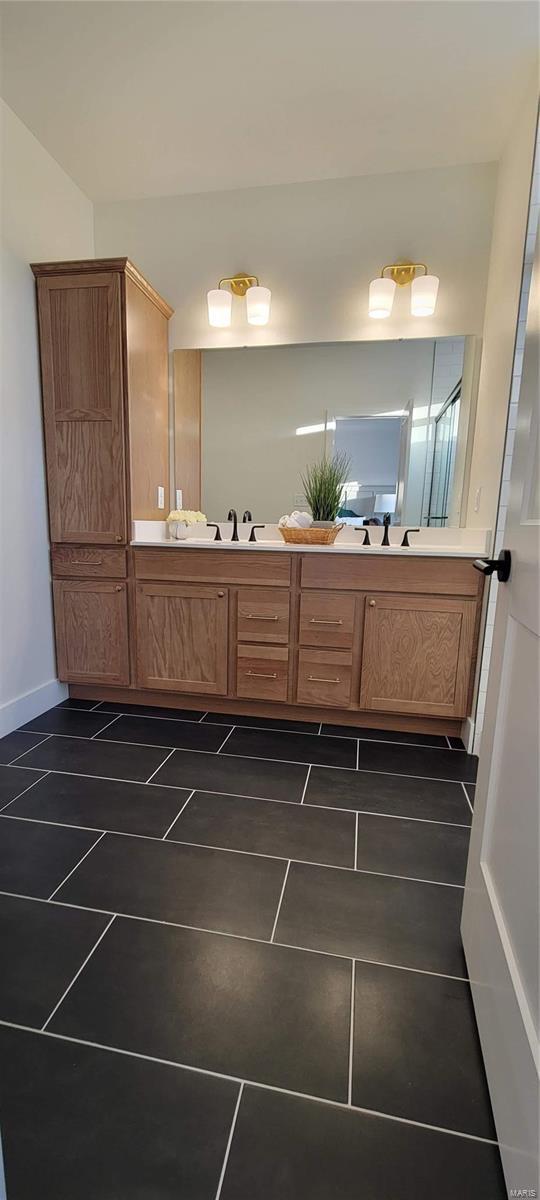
<point x="248" y="796"/>
<point x="319" y="731"/>
<point x="57" y="889"/>
<point x="304" y="862"/>
<point x="356" y="843"/>
<point x="351" y="1034"/>
<point x="285" y="877"/>
<point x="450" y="746"/>
<point x="161" y="764"/>
<point x="200" y="718"/>
<point x="41" y="775"/>
<point x="229" y="1141"/>
<point x="109" y="723"/>
<point x="302" y="798"/>
<point x="466" y="794"/>
<point x="81" y="968"/>
<point x="185" y="804"/>
<point x="94" y="706"/>
<point x="34" y="747"/>
<point x="267" y="1087"/>
<point x="225" y="739"/>
<point x="241" y="937"/>
<point x="358" y="754"/>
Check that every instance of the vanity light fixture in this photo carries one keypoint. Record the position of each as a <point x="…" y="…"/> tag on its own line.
<point x="424" y="289"/>
<point x="257" y="300"/>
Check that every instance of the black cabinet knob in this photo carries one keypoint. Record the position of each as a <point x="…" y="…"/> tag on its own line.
<point x="501" y="565"/>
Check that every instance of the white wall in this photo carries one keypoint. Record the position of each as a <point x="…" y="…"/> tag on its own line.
<point x="44" y="216"/>
<point x="502" y="304"/>
<point x="254" y="400"/>
<point x="316" y="245"/>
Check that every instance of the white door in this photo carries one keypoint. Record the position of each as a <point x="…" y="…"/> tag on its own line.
<point x="500" y="912"/>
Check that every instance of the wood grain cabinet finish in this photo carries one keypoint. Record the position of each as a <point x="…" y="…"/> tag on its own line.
<point x="324" y="678"/>
<point x="92" y="562"/>
<point x="182" y="638"/>
<point x="262" y="672"/>
<point x="82" y="383"/>
<point x="327" y="619"/>
<point x="263" y="615"/>
<point x="417" y="654"/>
<point x="91" y="622"/>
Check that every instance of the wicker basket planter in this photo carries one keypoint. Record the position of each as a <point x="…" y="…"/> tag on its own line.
<point x="310" y="537"/>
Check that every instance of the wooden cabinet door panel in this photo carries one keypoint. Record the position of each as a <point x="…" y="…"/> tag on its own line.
<point x="417" y="654"/>
<point x="182" y="637"/>
<point x="91" y="631"/>
<point x="81" y="363"/>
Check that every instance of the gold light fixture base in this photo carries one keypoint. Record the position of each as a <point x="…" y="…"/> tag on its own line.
<point x="404" y="272"/>
<point x="240" y="283"/>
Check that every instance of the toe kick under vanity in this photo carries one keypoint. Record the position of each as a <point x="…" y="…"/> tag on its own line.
<point x="338" y="634"/>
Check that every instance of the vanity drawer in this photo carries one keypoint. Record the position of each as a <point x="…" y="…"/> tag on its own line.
<point x="88" y="561"/>
<point x="324" y="678"/>
<point x="263" y="615"/>
<point x="327" y="619"/>
<point x="262" y="672"/>
<point x="244" y="567"/>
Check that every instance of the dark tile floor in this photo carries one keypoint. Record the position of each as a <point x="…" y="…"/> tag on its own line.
<point x="232" y="964"/>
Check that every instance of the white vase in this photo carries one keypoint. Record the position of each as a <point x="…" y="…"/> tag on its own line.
<point x="178" y="530"/>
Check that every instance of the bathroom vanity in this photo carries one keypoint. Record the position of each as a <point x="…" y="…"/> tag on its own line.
<point x="345" y="634"/>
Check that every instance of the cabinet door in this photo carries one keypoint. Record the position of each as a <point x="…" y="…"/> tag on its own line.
<point x="81" y="367"/>
<point x="91" y="631"/>
<point x="417" y="654"/>
<point x="182" y="637"/>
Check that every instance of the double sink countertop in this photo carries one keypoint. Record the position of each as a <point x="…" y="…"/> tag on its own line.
<point x="428" y="542"/>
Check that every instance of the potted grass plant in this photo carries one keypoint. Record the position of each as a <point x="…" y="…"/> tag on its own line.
<point x="323" y="486"/>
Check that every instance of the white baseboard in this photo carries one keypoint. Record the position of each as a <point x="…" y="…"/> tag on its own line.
<point x="24" y="708"/>
<point x="467" y="733"/>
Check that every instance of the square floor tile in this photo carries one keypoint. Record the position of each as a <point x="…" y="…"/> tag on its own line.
<point x="73" y="721"/>
<point x="263" y="722"/>
<point x="35" y="858"/>
<point x="267" y="827"/>
<point x="236" y="776"/>
<point x="15" y="744"/>
<point x="101" y="804"/>
<point x="212" y="889"/>
<point x="90" y="1124"/>
<point x="289" y="1148"/>
<point x="293" y="747"/>
<point x="153" y="710"/>
<point x="387" y="735"/>
<point x="42" y="947"/>
<point x="416" y="1050"/>
<point x="246" y="1009"/>
<point x="397" y="795"/>
<point x="417" y="760"/>
<point x="418" y="849"/>
<point x="14" y="780"/>
<point x="375" y="917"/>
<point x="112" y="760"/>
<point x="189" y="735"/>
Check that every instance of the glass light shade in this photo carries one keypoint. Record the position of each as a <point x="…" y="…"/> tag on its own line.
<point x="424" y="290"/>
<point x="219" y="308"/>
<point x="258" y="305"/>
<point x="381" y="297"/>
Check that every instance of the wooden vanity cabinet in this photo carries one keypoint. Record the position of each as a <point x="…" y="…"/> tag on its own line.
<point x="417" y="654"/>
<point x="182" y="643"/>
<point x="91" y="620"/>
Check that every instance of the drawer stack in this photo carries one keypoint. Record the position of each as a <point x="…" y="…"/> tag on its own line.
<point x="262" y="663"/>
<point x="325" y="655"/>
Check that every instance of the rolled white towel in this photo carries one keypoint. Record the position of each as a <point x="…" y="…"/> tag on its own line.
<point x="302" y="519"/>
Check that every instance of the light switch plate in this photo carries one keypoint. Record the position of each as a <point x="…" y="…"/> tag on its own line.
<point x="179" y="503"/>
<point x="161" y="497"/>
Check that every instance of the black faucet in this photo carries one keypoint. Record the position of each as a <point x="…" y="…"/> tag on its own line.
<point x="386" y="522"/>
<point x="247" y="516"/>
<point x="232" y="515"/>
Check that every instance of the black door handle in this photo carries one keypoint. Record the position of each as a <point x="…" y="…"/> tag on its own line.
<point x="502" y="565"/>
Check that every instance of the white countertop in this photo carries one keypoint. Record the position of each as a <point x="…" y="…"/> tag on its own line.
<point x="431" y="543"/>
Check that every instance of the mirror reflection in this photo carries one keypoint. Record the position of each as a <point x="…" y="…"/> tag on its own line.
<point x="252" y="419"/>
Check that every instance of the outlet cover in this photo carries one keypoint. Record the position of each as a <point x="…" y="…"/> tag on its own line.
<point x="179" y="499"/>
<point x="161" y="497"/>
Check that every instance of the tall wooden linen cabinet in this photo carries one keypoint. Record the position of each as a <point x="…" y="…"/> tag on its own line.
<point x="104" y="366"/>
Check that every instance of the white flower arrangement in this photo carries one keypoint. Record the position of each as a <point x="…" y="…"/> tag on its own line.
<point x="186" y="514"/>
<point x="179" y="519"/>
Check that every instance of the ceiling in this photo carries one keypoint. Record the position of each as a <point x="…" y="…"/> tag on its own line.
<point x="151" y="99"/>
